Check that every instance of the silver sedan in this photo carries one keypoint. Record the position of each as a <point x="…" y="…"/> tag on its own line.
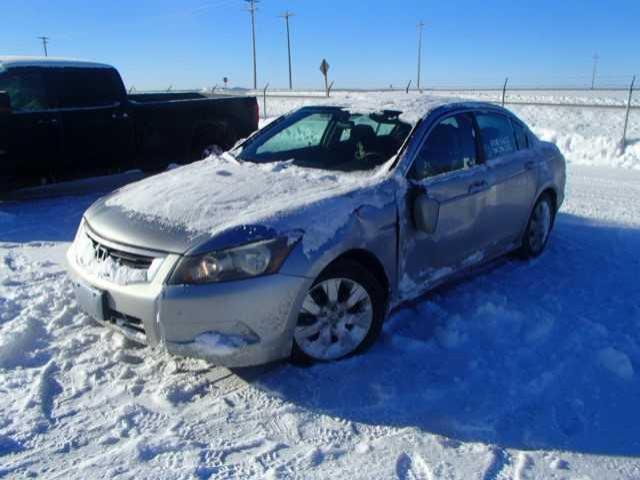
<point x="299" y="241"/>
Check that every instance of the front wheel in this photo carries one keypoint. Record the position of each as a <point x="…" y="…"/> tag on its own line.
<point x="341" y="315"/>
<point x="538" y="229"/>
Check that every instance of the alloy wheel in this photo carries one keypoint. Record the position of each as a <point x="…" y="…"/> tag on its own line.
<point x="336" y="317"/>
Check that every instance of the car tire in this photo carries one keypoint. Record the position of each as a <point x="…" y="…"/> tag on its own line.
<point x="539" y="228"/>
<point x="352" y="322"/>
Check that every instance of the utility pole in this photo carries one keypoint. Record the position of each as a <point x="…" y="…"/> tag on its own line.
<point x="420" y="27"/>
<point x="252" y="9"/>
<point x="45" y="40"/>
<point x="595" y="67"/>
<point x="286" y="16"/>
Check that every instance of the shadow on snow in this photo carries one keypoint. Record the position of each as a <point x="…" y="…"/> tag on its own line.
<point x="512" y="356"/>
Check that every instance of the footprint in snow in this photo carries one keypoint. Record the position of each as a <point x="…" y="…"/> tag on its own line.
<point x="408" y="469"/>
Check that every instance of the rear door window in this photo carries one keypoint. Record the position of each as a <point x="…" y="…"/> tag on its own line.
<point x="521" y="135"/>
<point x="85" y="87"/>
<point x="450" y="147"/>
<point x="26" y="89"/>
<point x="497" y="135"/>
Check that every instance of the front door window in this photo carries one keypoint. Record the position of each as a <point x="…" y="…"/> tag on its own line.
<point x="451" y="146"/>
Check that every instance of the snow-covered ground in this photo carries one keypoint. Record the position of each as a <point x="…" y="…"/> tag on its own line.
<point x="526" y="370"/>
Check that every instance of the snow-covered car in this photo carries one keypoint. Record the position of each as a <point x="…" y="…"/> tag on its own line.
<point x="299" y="241"/>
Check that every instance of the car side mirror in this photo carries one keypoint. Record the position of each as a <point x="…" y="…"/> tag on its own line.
<point x="425" y="213"/>
<point x="5" y="102"/>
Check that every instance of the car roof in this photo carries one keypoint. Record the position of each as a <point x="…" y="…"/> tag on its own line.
<point x="438" y="107"/>
<point x="47" y="62"/>
<point x="461" y="105"/>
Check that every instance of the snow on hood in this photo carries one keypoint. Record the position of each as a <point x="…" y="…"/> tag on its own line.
<point x="220" y="193"/>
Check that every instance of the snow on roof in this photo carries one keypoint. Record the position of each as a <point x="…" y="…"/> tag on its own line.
<point x="11" y="61"/>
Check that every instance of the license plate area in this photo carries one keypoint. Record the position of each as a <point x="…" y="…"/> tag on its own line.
<point x="90" y="300"/>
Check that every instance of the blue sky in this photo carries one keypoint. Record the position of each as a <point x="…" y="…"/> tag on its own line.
<point x="194" y="43"/>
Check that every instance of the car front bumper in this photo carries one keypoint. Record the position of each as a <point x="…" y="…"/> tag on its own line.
<point x="233" y="324"/>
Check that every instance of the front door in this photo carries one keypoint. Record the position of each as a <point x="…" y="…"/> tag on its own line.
<point x="97" y="128"/>
<point x="447" y="169"/>
<point x="34" y="136"/>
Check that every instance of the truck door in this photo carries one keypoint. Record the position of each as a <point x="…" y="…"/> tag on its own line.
<point x="97" y="128"/>
<point x="33" y="133"/>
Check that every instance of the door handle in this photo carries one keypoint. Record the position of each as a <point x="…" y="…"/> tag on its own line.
<point x="530" y="164"/>
<point x="478" y="186"/>
<point x="51" y="121"/>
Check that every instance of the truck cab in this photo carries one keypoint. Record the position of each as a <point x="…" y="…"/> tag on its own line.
<point x="61" y="116"/>
<point x="60" y="119"/>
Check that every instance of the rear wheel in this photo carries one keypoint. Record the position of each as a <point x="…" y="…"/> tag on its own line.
<point x="538" y="228"/>
<point x="341" y="315"/>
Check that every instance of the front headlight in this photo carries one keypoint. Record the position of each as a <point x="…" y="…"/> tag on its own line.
<point x="252" y="260"/>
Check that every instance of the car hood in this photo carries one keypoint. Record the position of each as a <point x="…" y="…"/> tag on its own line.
<point x="220" y="202"/>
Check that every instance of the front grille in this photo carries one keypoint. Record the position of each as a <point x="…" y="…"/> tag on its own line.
<point x="131" y="260"/>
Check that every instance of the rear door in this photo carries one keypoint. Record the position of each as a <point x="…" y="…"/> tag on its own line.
<point x="97" y="128"/>
<point x="34" y="136"/>
<point x="513" y="176"/>
<point x="449" y="170"/>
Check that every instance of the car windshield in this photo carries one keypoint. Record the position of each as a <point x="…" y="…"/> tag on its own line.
<point x="330" y="139"/>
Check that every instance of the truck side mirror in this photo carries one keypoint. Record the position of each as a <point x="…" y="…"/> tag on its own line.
<point x="5" y="102"/>
<point x="425" y="213"/>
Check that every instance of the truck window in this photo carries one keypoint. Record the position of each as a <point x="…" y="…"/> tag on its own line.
<point x="85" y="87"/>
<point x="25" y="88"/>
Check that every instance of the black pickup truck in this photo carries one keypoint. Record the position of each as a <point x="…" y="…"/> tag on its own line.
<point x="61" y="119"/>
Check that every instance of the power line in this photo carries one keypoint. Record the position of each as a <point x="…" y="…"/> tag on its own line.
<point x="286" y="16"/>
<point x="252" y="9"/>
<point x="45" y="41"/>
<point x="420" y="27"/>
